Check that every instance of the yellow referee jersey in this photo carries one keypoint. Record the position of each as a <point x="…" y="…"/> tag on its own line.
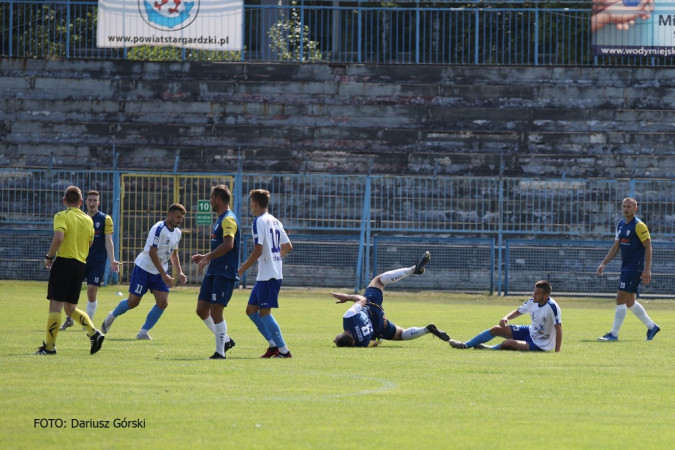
<point x="78" y="232"/>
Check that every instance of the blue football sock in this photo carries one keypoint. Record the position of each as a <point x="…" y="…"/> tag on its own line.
<point x="121" y="308"/>
<point x="496" y="347"/>
<point x="482" y="338"/>
<point x="153" y="316"/>
<point x="274" y="330"/>
<point x="255" y="318"/>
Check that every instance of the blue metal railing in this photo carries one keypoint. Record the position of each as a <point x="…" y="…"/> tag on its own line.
<point x="505" y="33"/>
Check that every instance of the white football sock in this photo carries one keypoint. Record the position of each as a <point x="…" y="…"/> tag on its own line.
<point x="272" y="343"/>
<point x="619" y="315"/>
<point x="221" y="332"/>
<point x="91" y="309"/>
<point x="394" y="275"/>
<point x="209" y="323"/>
<point x="641" y="314"/>
<point x="413" y="333"/>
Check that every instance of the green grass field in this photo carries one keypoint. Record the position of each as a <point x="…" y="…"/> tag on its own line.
<point x="414" y="394"/>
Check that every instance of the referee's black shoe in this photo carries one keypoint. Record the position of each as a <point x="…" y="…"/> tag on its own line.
<point x="96" y="342"/>
<point x="419" y="267"/>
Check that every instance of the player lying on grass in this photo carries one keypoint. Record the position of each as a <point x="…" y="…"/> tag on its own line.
<point x="545" y="333"/>
<point x="365" y="323"/>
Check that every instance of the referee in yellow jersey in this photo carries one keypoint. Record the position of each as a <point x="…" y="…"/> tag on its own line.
<point x="66" y="258"/>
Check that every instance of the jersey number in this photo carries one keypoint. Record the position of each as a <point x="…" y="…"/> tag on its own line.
<point x="139" y="288"/>
<point x="276" y="237"/>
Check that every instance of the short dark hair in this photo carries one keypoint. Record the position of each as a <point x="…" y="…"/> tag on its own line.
<point x="545" y="286"/>
<point x="73" y="195"/>
<point x="91" y="192"/>
<point x="177" y="207"/>
<point x="260" y="196"/>
<point x="222" y="192"/>
<point x="345" y="340"/>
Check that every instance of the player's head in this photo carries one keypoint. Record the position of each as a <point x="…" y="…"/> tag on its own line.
<point x="73" y="196"/>
<point x="259" y="200"/>
<point x="542" y="290"/>
<point x="345" y="339"/>
<point x="92" y="199"/>
<point x="175" y="215"/>
<point x="222" y="192"/>
<point x="629" y="206"/>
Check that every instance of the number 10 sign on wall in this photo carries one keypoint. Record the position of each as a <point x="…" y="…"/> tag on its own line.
<point x="204" y="216"/>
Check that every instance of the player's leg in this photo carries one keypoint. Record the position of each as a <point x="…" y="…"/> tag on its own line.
<point x="252" y="313"/>
<point x="58" y="289"/>
<point x="138" y="286"/>
<point x="161" y="303"/>
<point x="639" y="311"/>
<point x="486" y="336"/>
<point x="517" y="337"/>
<point x="95" y="337"/>
<point x="409" y="334"/>
<point x="508" y="344"/>
<point x="204" y="302"/>
<point x="393" y="276"/>
<point x="94" y="278"/>
<point x="268" y="298"/>
<point x="625" y="297"/>
<point x="54" y="318"/>
<point x="222" y="293"/>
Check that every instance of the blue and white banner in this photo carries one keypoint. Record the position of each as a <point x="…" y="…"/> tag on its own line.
<point x="199" y="24"/>
<point x="633" y="28"/>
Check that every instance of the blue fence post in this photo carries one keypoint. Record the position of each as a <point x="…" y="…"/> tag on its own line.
<point x="362" y="244"/>
<point x="67" y="31"/>
<point x="302" y="30"/>
<point x="501" y="227"/>
<point x="536" y="36"/>
<point x="11" y="26"/>
<point x="506" y="277"/>
<point x="116" y="208"/>
<point x="417" y="32"/>
<point x="360" y="33"/>
<point x="476" y="38"/>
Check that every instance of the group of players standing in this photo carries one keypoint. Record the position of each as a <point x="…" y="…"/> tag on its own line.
<point x="82" y="241"/>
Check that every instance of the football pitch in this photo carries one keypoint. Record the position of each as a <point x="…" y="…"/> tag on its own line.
<point x="421" y="394"/>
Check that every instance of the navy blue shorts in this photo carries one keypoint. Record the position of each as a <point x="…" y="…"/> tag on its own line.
<point x="265" y="294"/>
<point x="630" y="281"/>
<point x="522" y="333"/>
<point x="93" y="273"/>
<point x="382" y="327"/>
<point x="216" y="289"/>
<point x="142" y="280"/>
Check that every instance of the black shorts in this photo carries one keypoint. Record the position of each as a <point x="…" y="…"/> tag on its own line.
<point x="65" y="280"/>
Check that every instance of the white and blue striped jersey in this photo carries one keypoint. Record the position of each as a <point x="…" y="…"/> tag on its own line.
<point x="165" y="240"/>
<point x="269" y="232"/>
<point x="544" y="318"/>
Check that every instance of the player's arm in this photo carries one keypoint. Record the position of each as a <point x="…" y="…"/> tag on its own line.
<point x="110" y="249"/>
<point x="222" y="249"/>
<point x="610" y="256"/>
<point x="286" y="248"/>
<point x="57" y="240"/>
<point x="175" y="262"/>
<point x="342" y="298"/>
<point x="512" y="315"/>
<point x="253" y="257"/>
<point x="558" y="337"/>
<point x="647" y="274"/>
<point x="154" y="257"/>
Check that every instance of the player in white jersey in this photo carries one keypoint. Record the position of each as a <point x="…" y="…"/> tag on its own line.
<point x="271" y="245"/>
<point x="545" y="332"/>
<point x="150" y="271"/>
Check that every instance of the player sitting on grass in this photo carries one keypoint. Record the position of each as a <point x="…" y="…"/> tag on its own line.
<point x="365" y="323"/>
<point x="545" y="333"/>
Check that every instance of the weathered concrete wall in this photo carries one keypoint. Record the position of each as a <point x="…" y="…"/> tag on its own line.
<point x="540" y="121"/>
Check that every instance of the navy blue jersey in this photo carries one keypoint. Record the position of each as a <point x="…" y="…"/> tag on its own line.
<point x="357" y="321"/>
<point x="226" y="265"/>
<point x="103" y="225"/>
<point x="631" y="236"/>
